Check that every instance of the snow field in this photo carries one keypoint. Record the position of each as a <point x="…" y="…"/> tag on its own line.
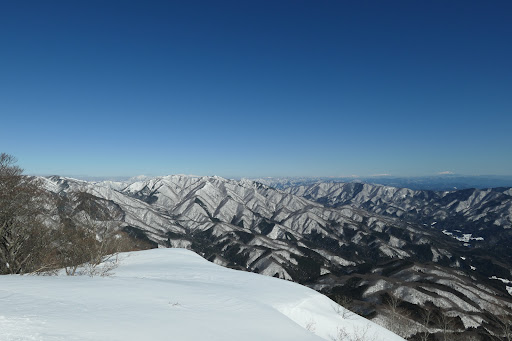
<point x="170" y="294"/>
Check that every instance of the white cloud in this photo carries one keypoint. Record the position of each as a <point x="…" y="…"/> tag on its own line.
<point x="445" y="172"/>
<point x="346" y="176"/>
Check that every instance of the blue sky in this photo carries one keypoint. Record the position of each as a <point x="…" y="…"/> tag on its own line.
<point x="257" y="88"/>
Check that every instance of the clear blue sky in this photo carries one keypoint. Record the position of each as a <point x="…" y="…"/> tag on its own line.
<point x="257" y="88"/>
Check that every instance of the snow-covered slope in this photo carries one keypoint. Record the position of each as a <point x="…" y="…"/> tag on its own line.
<point x="466" y="209"/>
<point x="171" y="294"/>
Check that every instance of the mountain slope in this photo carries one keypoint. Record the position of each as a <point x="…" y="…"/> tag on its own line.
<point x="170" y="294"/>
<point x="477" y="218"/>
<point x="492" y="207"/>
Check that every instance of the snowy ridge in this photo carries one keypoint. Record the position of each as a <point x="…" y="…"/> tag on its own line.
<point x="477" y="206"/>
<point x="165" y="294"/>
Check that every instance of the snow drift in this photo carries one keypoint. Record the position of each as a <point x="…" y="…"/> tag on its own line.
<point x="172" y="294"/>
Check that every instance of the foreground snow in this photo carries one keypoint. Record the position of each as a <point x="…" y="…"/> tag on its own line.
<point x="171" y="294"/>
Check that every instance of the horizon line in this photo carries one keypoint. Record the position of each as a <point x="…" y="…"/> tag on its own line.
<point x="354" y="177"/>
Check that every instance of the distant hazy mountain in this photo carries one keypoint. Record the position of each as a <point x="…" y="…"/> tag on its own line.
<point x="445" y="182"/>
<point x="366" y="243"/>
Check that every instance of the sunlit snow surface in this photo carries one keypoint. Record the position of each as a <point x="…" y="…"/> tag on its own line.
<point x="170" y="294"/>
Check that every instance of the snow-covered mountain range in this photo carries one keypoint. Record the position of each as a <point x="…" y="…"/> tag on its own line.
<point x="479" y="218"/>
<point x="363" y="244"/>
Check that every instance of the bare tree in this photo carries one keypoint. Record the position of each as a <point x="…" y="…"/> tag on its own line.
<point x="357" y="334"/>
<point x="446" y="325"/>
<point x="74" y="247"/>
<point x="426" y="320"/>
<point x="23" y="236"/>
<point x="503" y="323"/>
<point x="87" y="243"/>
<point x="344" y="306"/>
<point x="399" y="322"/>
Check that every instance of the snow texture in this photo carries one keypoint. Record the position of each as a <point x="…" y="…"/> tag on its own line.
<point x="170" y="294"/>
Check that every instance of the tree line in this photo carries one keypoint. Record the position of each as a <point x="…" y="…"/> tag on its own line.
<point x="30" y="242"/>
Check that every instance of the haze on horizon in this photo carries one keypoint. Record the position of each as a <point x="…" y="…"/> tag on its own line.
<point x="252" y="89"/>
